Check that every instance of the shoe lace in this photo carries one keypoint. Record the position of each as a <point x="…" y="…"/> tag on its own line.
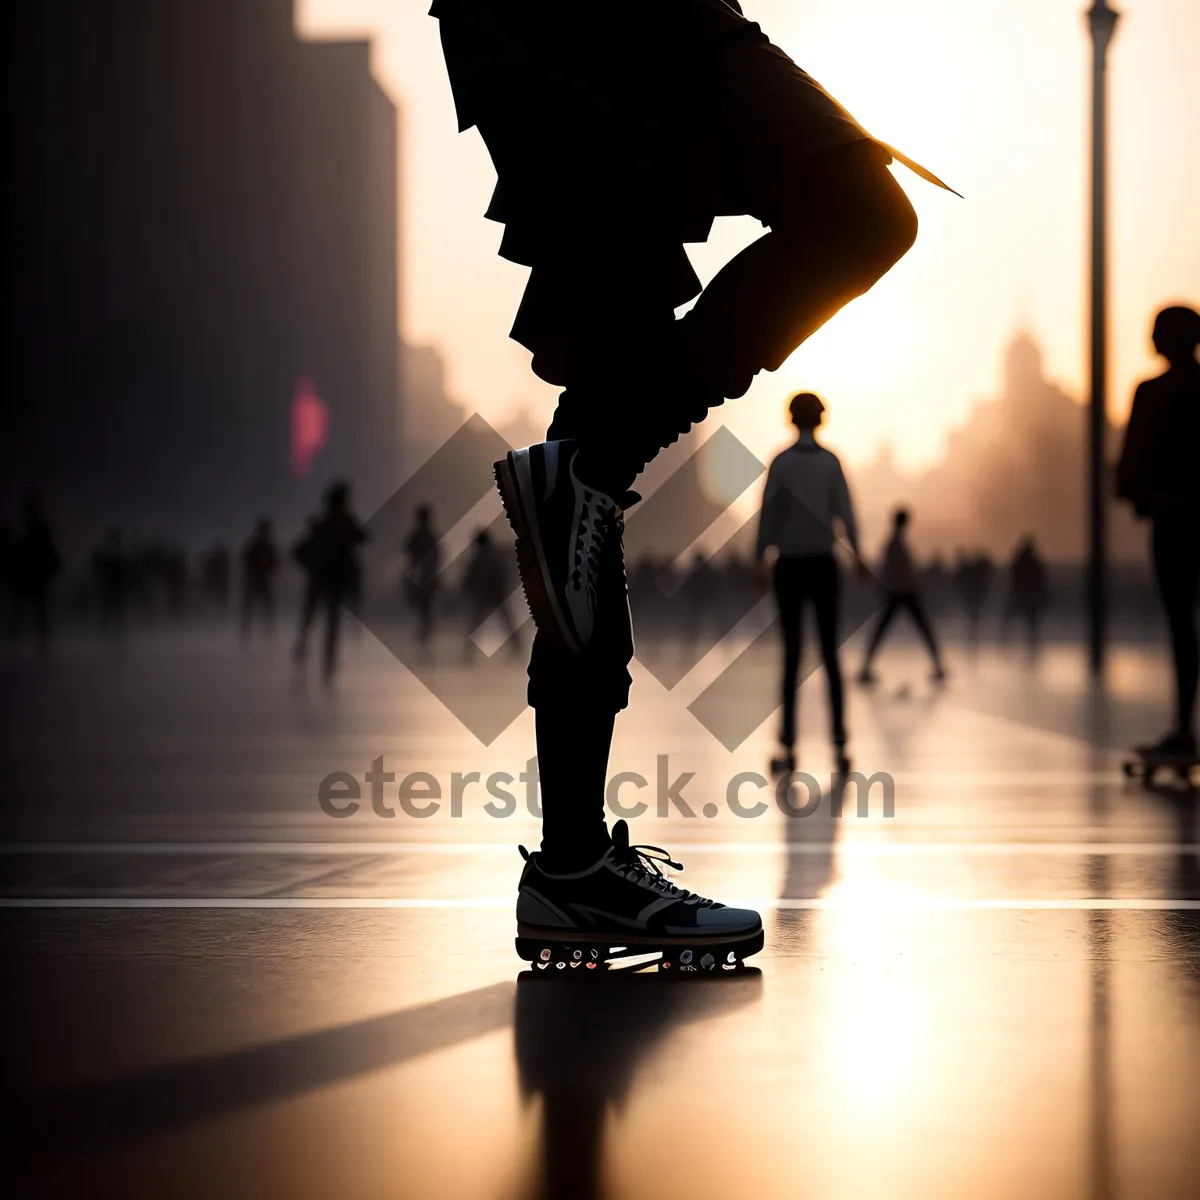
<point x="645" y="864"/>
<point x="598" y="520"/>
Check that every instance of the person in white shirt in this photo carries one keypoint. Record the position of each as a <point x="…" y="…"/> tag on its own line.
<point x="805" y="494"/>
<point x="899" y="575"/>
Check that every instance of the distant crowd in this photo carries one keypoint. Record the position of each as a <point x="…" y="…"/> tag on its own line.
<point x="126" y="583"/>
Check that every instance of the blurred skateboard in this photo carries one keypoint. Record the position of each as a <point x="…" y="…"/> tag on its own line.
<point x="1146" y="764"/>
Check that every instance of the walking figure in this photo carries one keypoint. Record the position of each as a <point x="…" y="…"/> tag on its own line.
<point x="1158" y="475"/>
<point x="424" y="553"/>
<point x="806" y="494"/>
<point x="1027" y="593"/>
<point x="619" y="131"/>
<point x="328" y="554"/>
<point x="260" y="566"/>
<point x="899" y="577"/>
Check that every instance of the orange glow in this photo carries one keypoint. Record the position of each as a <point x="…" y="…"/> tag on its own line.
<point x="990" y="96"/>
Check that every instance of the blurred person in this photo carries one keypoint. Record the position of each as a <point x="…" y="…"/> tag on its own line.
<point x="618" y="133"/>
<point x="35" y="566"/>
<point x="973" y="578"/>
<point x="899" y="577"/>
<point x="329" y="555"/>
<point x="936" y="583"/>
<point x="424" y="551"/>
<point x="1159" y="475"/>
<point x="487" y="585"/>
<point x="260" y="566"/>
<point x="1027" y="592"/>
<point x="112" y="569"/>
<point x="805" y="495"/>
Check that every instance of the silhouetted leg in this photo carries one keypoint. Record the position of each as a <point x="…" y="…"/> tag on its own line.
<point x="573" y="744"/>
<point x="1177" y="568"/>
<point x="890" y="609"/>
<point x="424" y="602"/>
<point x="826" y="594"/>
<point x="307" y="613"/>
<point x="1033" y="623"/>
<point x="920" y="619"/>
<point x="789" y="597"/>
<point x="830" y="241"/>
<point x="333" y="624"/>
<point x="835" y="239"/>
<point x="575" y="698"/>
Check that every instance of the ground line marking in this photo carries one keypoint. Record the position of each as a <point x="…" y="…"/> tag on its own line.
<point x="302" y="848"/>
<point x="888" y="903"/>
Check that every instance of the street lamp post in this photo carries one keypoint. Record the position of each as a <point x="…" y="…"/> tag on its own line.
<point x="1102" y="21"/>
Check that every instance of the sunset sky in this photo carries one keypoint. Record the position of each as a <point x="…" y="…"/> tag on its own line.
<point x="990" y="94"/>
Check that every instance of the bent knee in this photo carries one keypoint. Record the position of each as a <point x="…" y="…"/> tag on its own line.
<point x="858" y="205"/>
<point x="895" y="221"/>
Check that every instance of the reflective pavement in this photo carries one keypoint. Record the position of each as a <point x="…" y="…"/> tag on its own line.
<point x="215" y="988"/>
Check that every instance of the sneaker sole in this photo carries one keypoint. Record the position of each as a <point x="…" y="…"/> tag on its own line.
<point x="746" y="943"/>
<point x="514" y="482"/>
<point x="551" y="951"/>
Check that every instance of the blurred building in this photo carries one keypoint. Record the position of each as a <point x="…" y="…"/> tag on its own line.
<point x="203" y="211"/>
<point x="1017" y="466"/>
<point x="431" y="415"/>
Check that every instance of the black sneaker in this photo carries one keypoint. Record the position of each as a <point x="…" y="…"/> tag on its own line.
<point x="1175" y="749"/>
<point x="624" y="905"/>
<point x="565" y="531"/>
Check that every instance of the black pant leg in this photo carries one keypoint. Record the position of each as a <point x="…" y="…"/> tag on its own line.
<point x="826" y="594"/>
<point x="576" y="698"/>
<point x="1176" y="553"/>
<point x="789" y="596"/>
<point x="890" y="609"/>
<point x="333" y="601"/>
<point x="916" y="609"/>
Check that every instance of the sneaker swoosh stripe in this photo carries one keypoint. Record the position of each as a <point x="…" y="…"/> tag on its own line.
<point x="594" y="913"/>
<point x="657" y="906"/>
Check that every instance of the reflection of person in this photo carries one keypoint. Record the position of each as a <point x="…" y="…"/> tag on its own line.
<point x="618" y="132"/>
<point x="1158" y="475"/>
<point x="424" y="565"/>
<point x="806" y="493"/>
<point x="328" y="553"/>
<point x="899" y="577"/>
